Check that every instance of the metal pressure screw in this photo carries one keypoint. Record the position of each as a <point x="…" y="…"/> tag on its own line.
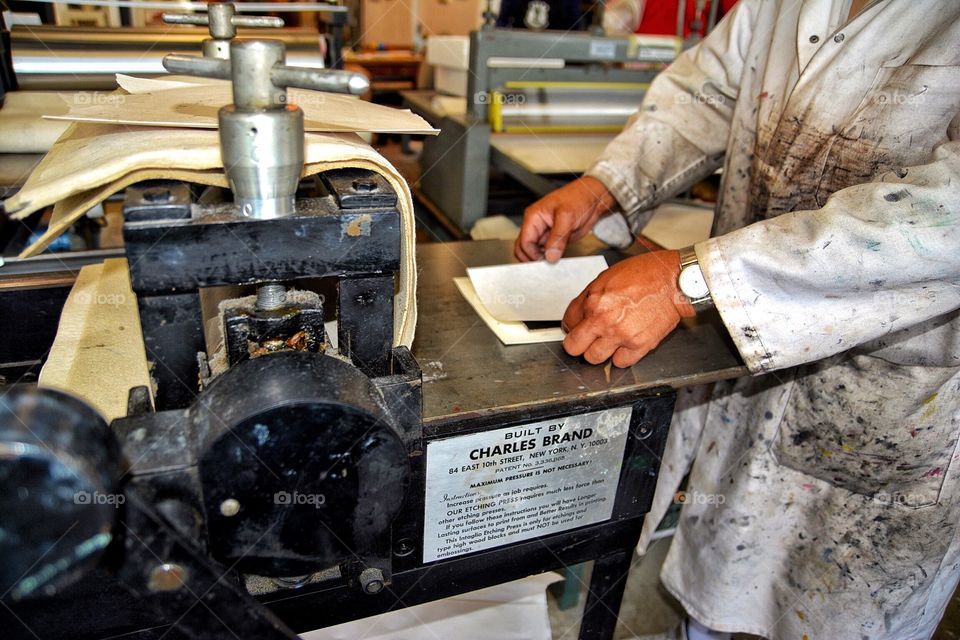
<point x="223" y="21"/>
<point x="261" y="135"/>
<point x="271" y="296"/>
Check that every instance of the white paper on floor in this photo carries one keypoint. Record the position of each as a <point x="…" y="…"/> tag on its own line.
<point x="533" y="291"/>
<point x="513" y="611"/>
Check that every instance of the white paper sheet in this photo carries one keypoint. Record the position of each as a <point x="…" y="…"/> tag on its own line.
<point x="533" y="291"/>
<point x="507" y="332"/>
<point x="513" y="611"/>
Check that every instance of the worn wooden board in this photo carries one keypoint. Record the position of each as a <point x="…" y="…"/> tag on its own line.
<point x="675" y="226"/>
<point x="98" y="354"/>
<point x="547" y="153"/>
<point x="196" y="106"/>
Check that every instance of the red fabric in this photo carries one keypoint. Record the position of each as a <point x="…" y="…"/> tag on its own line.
<point x="660" y="16"/>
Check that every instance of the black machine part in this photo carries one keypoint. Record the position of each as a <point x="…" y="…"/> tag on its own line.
<point x="59" y="465"/>
<point x="301" y="467"/>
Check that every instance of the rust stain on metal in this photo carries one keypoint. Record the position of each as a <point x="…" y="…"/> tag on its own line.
<point x="359" y="226"/>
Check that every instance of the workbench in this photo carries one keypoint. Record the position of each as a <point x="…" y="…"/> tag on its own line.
<point x="469" y="376"/>
<point x="466" y="369"/>
<point x="471" y="384"/>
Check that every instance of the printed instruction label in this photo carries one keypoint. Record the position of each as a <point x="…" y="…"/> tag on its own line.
<point x="493" y="488"/>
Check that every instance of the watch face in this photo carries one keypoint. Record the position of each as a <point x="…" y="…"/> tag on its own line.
<point x="692" y="284"/>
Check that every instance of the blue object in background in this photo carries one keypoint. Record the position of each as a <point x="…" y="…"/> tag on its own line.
<point x="62" y="243"/>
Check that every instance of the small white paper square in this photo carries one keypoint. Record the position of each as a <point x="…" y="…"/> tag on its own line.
<point x="534" y="291"/>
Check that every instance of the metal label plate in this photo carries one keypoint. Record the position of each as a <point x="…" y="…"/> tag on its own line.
<point x="603" y="49"/>
<point x="498" y="487"/>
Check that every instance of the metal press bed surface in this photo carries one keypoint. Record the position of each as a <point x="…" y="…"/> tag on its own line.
<point x="467" y="370"/>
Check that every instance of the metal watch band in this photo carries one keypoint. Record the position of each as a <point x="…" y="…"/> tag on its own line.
<point x="688" y="257"/>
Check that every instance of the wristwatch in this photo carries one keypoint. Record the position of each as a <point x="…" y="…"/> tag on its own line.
<point x="691" y="282"/>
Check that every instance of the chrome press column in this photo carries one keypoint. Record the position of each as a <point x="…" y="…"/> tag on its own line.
<point x="261" y="135"/>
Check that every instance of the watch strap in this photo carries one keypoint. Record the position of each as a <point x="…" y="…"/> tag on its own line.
<point x="688" y="257"/>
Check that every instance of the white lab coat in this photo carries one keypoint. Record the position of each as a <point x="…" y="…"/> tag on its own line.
<point x="823" y="499"/>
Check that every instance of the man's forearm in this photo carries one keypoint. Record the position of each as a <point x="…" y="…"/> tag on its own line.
<point x="681" y="132"/>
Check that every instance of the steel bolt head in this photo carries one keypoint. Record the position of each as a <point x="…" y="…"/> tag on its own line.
<point x="168" y="576"/>
<point x="229" y="507"/>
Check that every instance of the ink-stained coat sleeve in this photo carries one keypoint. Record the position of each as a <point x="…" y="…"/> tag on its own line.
<point x="877" y="258"/>
<point x="680" y="133"/>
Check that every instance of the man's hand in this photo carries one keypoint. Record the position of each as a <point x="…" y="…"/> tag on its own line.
<point x="627" y="311"/>
<point x="562" y="216"/>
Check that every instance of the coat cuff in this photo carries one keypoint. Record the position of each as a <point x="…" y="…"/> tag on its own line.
<point x="621" y="188"/>
<point x="732" y="310"/>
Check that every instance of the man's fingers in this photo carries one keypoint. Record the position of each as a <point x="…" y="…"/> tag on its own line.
<point x="536" y="223"/>
<point x="574" y="313"/>
<point x="625" y="357"/>
<point x="520" y="253"/>
<point x="559" y="235"/>
<point x="600" y="350"/>
<point x="580" y="338"/>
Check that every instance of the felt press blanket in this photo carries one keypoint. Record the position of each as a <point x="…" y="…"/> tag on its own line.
<point x="92" y="161"/>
